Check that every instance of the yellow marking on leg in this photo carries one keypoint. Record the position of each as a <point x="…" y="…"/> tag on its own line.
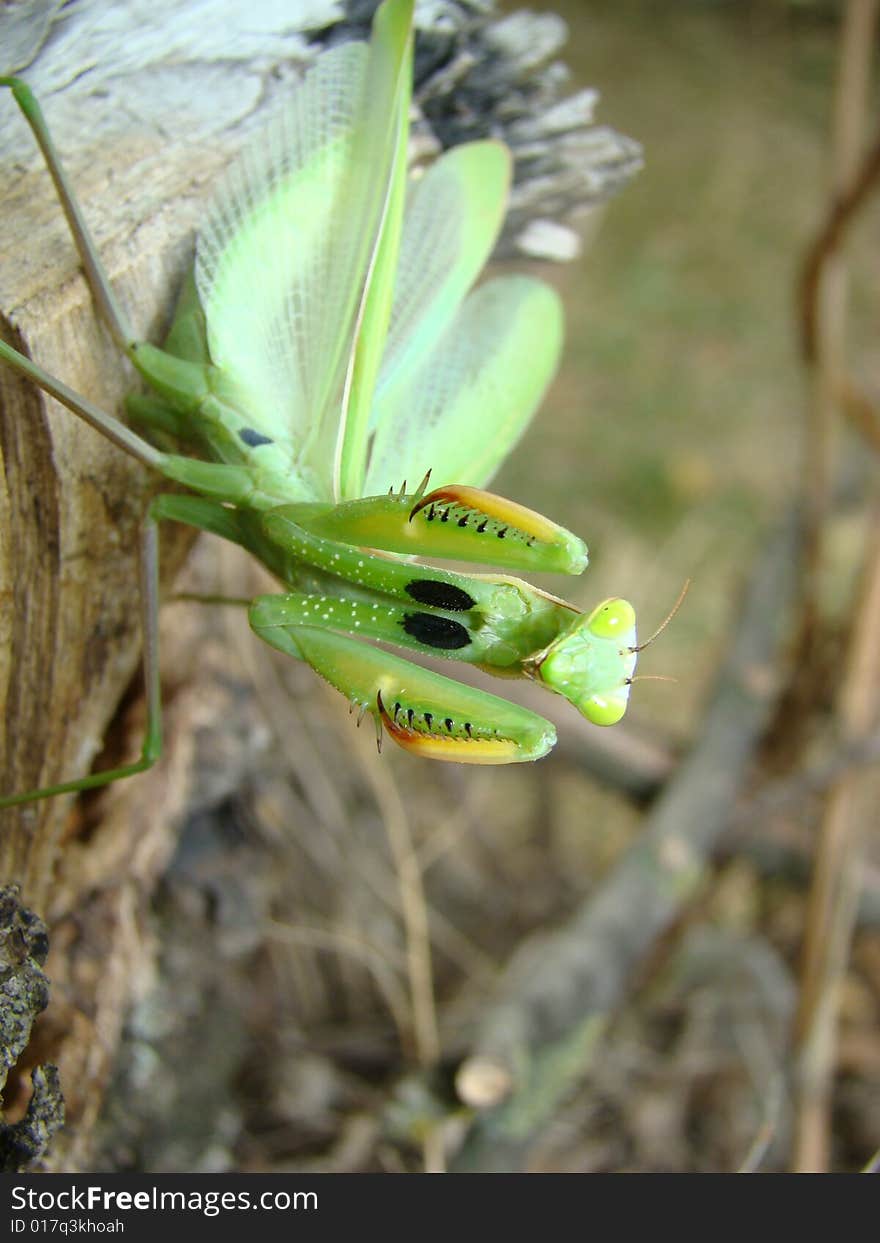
<point x="438" y="747"/>
<point x="526" y="520"/>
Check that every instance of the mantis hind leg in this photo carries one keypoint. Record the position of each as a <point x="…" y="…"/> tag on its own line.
<point x="94" y="270"/>
<point x="152" y="744"/>
<point x="220" y="479"/>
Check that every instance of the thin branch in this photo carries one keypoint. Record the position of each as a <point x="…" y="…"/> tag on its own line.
<point x="833" y="897"/>
<point x="822" y="313"/>
<point x="836" y="881"/>
<point x="853" y="753"/>
<point x="828" y="241"/>
<point x="768" y="1129"/>
<point x="860" y="412"/>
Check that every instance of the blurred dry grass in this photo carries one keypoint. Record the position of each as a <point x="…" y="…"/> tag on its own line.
<point x="671" y="441"/>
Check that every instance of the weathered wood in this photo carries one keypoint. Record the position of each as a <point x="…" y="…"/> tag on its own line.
<point x="147" y="105"/>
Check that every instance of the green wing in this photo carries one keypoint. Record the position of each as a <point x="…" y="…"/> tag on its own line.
<point x="284" y="259"/>
<point x="320" y="290"/>
<point x="463" y="405"/>
<point x="461" y="376"/>
<point x="453" y="217"/>
<point x="388" y="85"/>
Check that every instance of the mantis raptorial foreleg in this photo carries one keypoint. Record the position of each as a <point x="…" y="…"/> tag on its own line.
<point x="421" y="710"/>
<point x="467" y="524"/>
<point x="502" y="624"/>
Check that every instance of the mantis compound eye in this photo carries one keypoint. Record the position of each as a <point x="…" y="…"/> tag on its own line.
<point x="605" y="709"/>
<point x="611" y="619"/>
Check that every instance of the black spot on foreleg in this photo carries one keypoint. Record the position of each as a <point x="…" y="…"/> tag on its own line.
<point x="441" y="633"/>
<point x="440" y="595"/>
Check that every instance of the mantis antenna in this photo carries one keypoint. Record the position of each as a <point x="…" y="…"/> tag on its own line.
<point x="667" y="619"/>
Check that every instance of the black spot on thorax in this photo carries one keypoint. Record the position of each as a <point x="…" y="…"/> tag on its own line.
<point x="252" y="438"/>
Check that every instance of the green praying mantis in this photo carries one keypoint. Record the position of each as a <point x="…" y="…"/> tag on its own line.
<point x="328" y="344"/>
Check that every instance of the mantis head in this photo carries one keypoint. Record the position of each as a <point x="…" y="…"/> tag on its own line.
<point x="592" y="664"/>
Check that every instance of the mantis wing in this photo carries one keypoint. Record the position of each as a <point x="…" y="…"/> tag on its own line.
<point x="463" y="406"/>
<point x="453" y="216"/>
<point x="284" y="260"/>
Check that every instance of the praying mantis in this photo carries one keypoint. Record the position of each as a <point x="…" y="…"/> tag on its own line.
<point x="328" y="346"/>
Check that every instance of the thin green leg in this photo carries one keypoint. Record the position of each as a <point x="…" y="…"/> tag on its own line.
<point x="95" y="274"/>
<point x="152" y="745"/>
<point x="109" y="426"/>
<point x="229" y="482"/>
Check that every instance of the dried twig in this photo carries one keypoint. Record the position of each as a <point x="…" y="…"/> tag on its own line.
<point x="844" y="209"/>
<point x="860" y="411"/>
<point x="822" y="312"/>
<point x="834" y="893"/>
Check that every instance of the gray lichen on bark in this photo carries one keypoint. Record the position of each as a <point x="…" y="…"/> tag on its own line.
<point x="24" y="994"/>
